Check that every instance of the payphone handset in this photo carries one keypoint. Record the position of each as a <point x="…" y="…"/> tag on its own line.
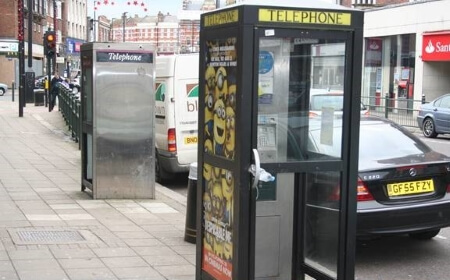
<point x="267" y="137"/>
<point x="259" y="174"/>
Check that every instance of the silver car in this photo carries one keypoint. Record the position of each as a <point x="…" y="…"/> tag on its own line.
<point x="3" y="89"/>
<point x="434" y="117"/>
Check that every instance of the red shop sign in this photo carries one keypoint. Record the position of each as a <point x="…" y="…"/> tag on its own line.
<point x="436" y="47"/>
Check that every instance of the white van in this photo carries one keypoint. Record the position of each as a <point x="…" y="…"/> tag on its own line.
<point x="176" y="114"/>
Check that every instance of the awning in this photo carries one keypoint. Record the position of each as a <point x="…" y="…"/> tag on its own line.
<point x="402" y="84"/>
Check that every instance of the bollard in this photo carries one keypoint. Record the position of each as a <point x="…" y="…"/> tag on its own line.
<point x="12" y="88"/>
<point x="386" y="105"/>
<point x="190" y="233"/>
<point x="423" y="98"/>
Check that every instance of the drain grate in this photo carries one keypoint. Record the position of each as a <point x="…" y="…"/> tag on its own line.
<point x="50" y="236"/>
<point x="36" y="236"/>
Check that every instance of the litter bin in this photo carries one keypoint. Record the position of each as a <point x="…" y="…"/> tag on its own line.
<point x="190" y="233"/>
<point x="39" y="95"/>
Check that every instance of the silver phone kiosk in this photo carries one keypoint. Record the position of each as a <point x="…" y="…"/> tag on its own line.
<point x="117" y="102"/>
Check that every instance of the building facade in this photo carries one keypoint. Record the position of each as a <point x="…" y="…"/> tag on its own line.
<point x="74" y="30"/>
<point x="67" y="18"/>
<point x="189" y="31"/>
<point x="169" y="34"/>
<point x="407" y="54"/>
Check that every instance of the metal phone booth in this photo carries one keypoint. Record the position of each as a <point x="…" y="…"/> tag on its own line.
<point x="278" y="181"/>
<point x="117" y="103"/>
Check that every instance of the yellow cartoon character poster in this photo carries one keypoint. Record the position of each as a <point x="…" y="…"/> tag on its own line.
<point x="217" y="223"/>
<point x="220" y="96"/>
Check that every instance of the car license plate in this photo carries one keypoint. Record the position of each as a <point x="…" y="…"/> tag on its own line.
<point x="414" y="187"/>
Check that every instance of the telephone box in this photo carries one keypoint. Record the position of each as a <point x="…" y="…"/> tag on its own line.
<point x="277" y="182"/>
<point x="117" y="103"/>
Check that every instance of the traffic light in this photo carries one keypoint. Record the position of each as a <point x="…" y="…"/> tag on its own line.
<point x="50" y="44"/>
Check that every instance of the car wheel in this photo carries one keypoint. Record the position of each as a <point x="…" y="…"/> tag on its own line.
<point x="2" y="91"/>
<point x="428" y="128"/>
<point x="425" y="235"/>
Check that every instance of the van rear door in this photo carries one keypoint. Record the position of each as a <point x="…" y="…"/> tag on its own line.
<point x="186" y="119"/>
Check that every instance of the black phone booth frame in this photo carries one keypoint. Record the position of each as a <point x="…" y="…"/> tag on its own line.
<point x="228" y="97"/>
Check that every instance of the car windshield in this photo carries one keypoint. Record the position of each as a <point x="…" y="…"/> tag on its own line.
<point x="378" y="142"/>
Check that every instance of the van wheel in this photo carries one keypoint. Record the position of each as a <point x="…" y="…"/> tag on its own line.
<point x="160" y="175"/>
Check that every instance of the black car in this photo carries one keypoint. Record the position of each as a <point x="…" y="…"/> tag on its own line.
<point x="403" y="185"/>
<point x="434" y="117"/>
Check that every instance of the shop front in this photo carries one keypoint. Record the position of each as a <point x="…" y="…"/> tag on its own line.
<point x="71" y="55"/>
<point x="436" y="59"/>
<point x="406" y="58"/>
<point x="388" y="76"/>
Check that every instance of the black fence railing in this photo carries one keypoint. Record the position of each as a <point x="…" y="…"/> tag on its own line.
<point x="403" y="111"/>
<point x="69" y="105"/>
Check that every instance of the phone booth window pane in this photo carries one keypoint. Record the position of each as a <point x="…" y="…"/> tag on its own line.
<point x="322" y="220"/>
<point x="88" y="100"/>
<point x="300" y="99"/>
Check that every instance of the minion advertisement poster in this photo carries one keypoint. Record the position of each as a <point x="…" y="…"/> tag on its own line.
<point x="219" y="140"/>
<point x="220" y="97"/>
<point x="218" y="222"/>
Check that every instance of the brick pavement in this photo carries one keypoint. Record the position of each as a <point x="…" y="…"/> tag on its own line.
<point x="50" y="229"/>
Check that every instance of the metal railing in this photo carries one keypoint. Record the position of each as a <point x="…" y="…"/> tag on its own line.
<point x="403" y="111"/>
<point x="69" y="105"/>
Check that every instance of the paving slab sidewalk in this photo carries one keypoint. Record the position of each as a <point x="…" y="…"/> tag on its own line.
<point x="50" y="229"/>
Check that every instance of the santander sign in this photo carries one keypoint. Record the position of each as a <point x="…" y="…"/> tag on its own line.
<point x="436" y="47"/>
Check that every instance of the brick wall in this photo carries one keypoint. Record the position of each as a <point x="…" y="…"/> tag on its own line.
<point x="9" y="23"/>
<point x="8" y="19"/>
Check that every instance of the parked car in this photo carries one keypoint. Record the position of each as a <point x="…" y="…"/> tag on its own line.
<point x="75" y="86"/>
<point x="3" y="89"/>
<point x="39" y="82"/>
<point x="434" y="117"/>
<point x="403" y="185"/>
<point x="320" y="99"/>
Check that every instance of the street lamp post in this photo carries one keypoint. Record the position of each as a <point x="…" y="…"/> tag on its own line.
<point x="55" y="27"/>
<point x="124" y="18"/>
<point x="94" y="20"/>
